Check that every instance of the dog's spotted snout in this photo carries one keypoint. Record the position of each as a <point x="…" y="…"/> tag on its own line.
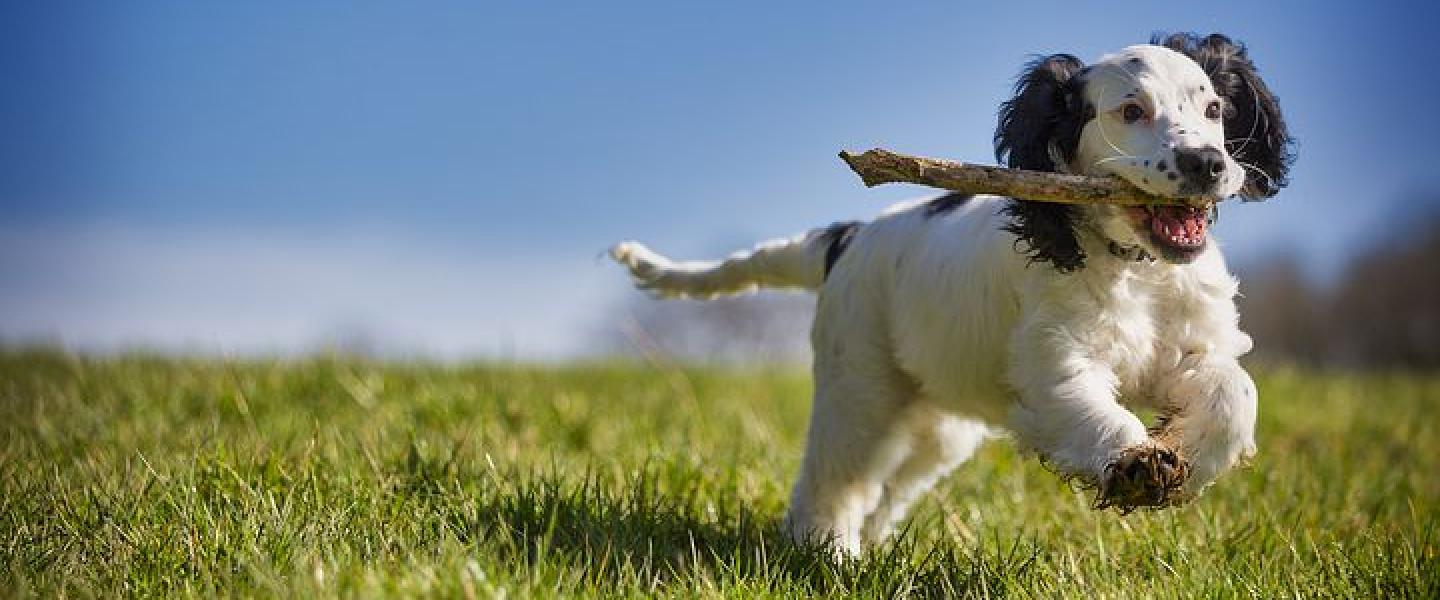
<point x="1200" y="166"/>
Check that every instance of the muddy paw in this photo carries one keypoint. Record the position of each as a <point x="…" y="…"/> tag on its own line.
<point x="1145" y="476"/>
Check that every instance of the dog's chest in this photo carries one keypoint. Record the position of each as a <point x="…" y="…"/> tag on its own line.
<point x="1145" y="327"/>
<point x="1125" y="329"/>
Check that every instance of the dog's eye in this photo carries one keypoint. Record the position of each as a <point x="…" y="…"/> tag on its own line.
<point x="1212" y="111"/>
<point x="1132" y="113"/>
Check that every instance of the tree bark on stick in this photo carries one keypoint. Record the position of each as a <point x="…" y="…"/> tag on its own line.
<point x="879" y="166"/>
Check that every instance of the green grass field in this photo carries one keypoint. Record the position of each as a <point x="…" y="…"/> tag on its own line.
<point x="340" y="477"/>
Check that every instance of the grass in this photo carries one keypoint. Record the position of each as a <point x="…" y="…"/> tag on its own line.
<point x="139" y="475"/>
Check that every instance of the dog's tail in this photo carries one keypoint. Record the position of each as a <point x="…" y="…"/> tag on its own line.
<point x="802" y="262"/>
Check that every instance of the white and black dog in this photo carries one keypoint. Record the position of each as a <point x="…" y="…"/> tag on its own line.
<point x="945" y="317"/>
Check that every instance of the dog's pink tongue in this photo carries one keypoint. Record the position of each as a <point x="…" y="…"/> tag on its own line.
<point x="1178" y="220"/>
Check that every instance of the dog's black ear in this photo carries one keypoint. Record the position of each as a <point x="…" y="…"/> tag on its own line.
<point x="1038" y="126"/>
<point x="1255" y="132"/>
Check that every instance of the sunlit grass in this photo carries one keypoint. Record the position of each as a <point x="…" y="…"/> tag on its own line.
<point x="148" y="476"/>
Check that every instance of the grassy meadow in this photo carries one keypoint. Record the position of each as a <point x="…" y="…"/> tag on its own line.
<point x="139" y="475"/>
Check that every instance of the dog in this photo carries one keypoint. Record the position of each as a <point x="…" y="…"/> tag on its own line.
<point x="944" y="321"/>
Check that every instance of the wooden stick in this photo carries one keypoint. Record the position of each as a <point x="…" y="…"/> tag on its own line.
<point x="879" y="166"/>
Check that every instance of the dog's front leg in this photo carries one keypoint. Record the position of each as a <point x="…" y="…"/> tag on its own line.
<point x="1068" y="413"/>
<point x="1208" y="414"/>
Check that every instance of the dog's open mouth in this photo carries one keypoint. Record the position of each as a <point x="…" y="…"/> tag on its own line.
<point x="1178" y="232"/>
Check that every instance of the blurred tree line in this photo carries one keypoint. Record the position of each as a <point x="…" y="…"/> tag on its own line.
<point x="1381" y="312"/>
<point x="756" y="329"/>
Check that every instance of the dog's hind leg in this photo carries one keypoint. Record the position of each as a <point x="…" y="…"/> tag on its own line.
<point x="937" y="444"/>
<point x="853" y="445"/>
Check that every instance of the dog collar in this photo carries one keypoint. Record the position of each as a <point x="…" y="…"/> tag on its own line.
<point x="1130" y="253"/>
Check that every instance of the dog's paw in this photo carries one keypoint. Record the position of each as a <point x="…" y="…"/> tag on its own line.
<point x="1144" y="476"/>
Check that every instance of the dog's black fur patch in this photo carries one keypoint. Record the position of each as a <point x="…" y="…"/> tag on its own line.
<point x="1047" y="109"/>
<point x="946" y="203"/>
<point x="837" y="238"/>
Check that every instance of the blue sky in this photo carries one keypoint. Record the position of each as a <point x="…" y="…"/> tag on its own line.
<point x="254" y="177"/>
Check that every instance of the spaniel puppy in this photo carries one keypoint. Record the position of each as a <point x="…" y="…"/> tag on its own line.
<point x="943" y="319"/>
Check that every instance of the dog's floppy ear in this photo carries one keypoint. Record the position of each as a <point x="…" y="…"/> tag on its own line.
<point x="1038" y="126"/>
<point x="1255" y="132"/>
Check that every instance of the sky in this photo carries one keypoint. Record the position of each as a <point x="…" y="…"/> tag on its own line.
<point x="259" y="177"/>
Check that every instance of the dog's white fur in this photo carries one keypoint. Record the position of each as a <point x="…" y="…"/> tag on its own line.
<point x="931" y="328"/>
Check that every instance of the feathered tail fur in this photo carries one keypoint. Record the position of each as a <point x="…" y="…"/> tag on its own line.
<point x="801" y="262"/>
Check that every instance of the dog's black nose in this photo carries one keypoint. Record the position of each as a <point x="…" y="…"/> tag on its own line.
<point x="1200" y="166"/>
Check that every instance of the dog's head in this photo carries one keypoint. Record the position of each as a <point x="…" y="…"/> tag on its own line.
<point x="1182" y="116"/>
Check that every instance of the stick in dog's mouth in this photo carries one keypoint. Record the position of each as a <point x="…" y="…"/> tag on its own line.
<point x="878" y="166"/>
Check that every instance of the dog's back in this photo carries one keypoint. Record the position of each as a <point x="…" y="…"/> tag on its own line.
<point x="933" y="277"/>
